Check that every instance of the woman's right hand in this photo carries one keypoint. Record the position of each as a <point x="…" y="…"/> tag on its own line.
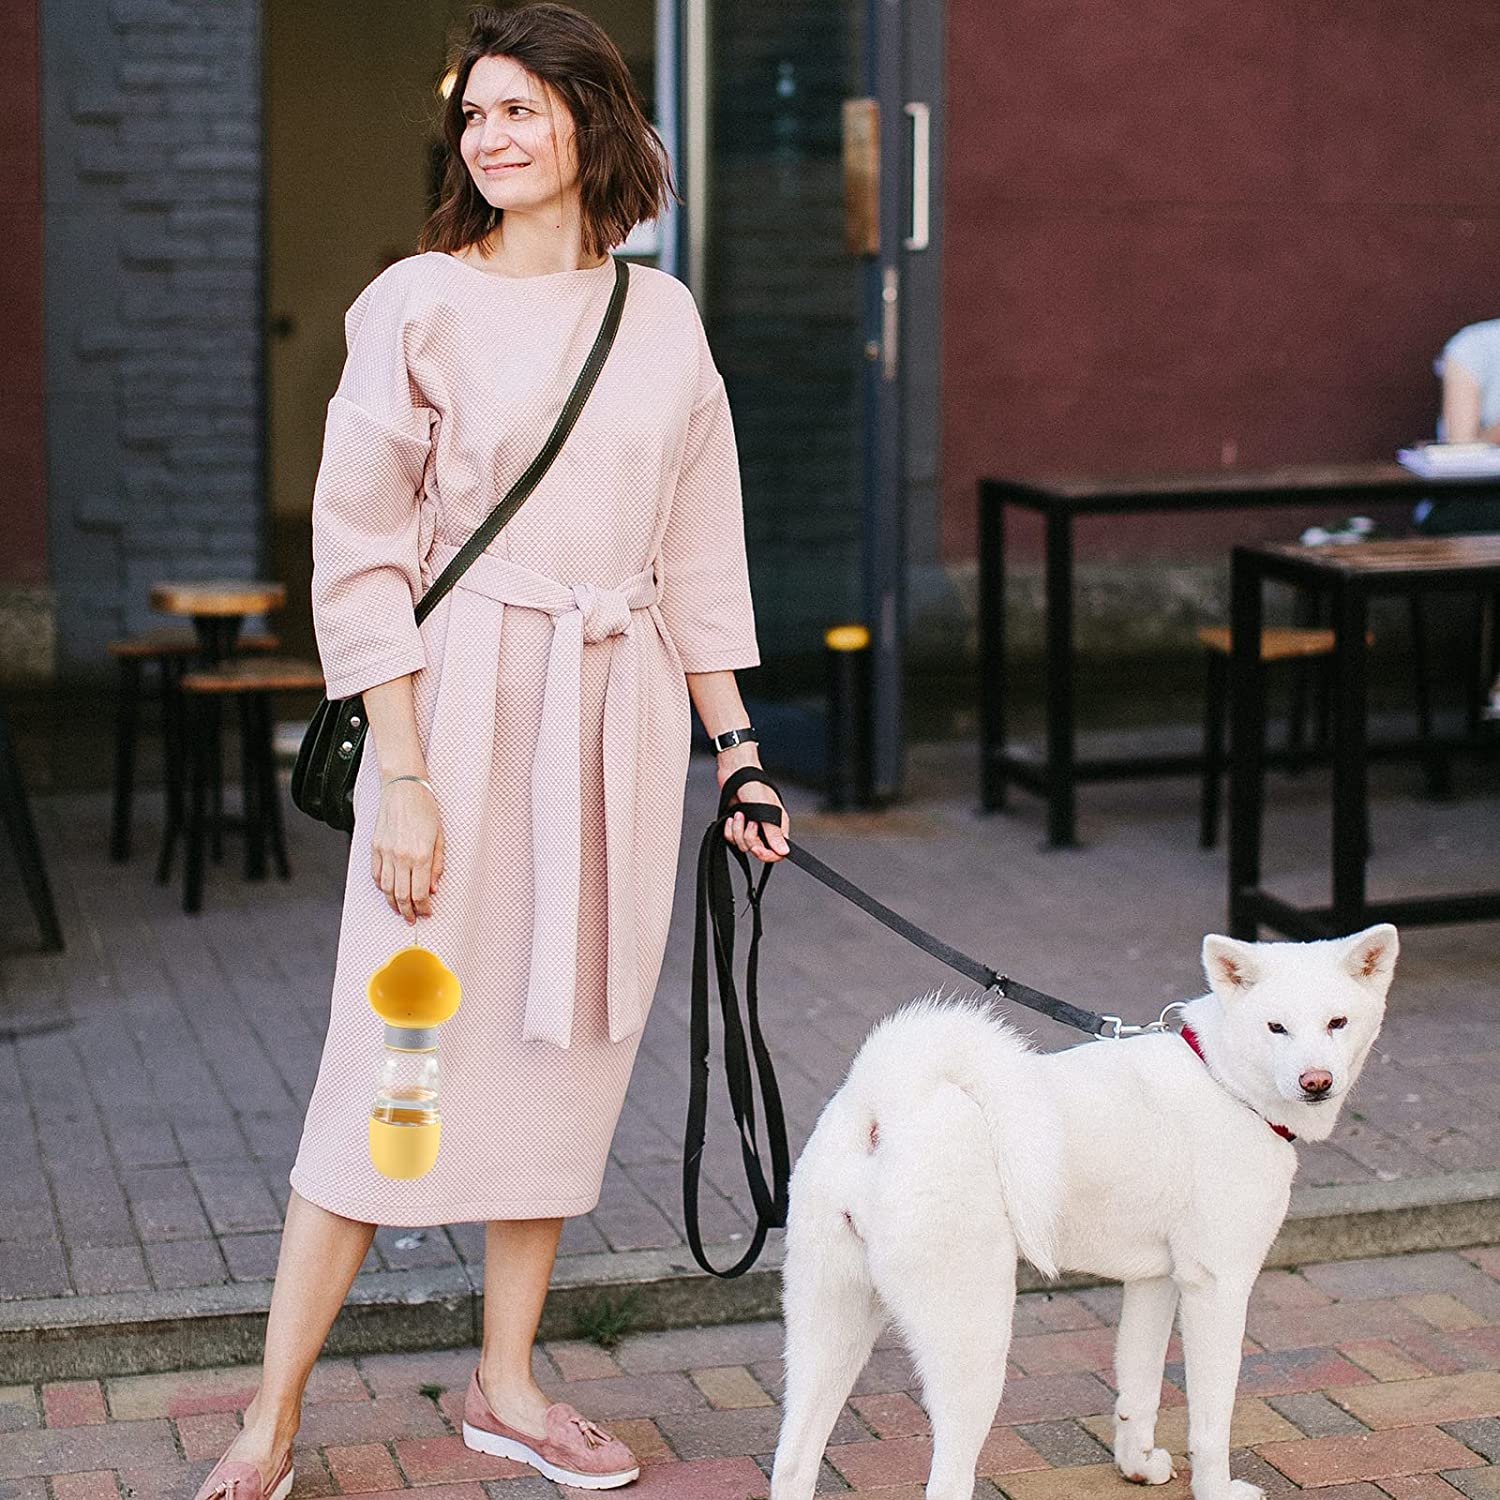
<point x="406" y="853"/>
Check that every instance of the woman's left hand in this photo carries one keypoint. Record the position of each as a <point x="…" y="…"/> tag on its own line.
<point x="746" y="835"/>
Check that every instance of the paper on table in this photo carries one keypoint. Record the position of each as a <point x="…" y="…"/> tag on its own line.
<point x="1451" y="460"/>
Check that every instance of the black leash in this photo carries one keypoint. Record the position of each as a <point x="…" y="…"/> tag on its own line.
<point x="714" y="916"/>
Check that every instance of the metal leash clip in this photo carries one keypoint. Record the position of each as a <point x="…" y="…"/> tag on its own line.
<point x="1116" y="1028"/>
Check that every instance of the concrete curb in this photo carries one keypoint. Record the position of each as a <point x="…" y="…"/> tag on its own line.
<point x="139" y="1332"/>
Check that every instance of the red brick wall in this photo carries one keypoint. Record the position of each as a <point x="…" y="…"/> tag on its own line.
<point x="23" y="513"/>
<point x="1185" y="231"/>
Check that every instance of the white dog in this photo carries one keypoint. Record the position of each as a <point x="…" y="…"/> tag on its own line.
<point x="1163" y="1162"/>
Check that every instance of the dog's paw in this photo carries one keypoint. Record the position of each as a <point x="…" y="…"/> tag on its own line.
<point x="1154" y="1467"/>
<point x="1242" y="1489"/>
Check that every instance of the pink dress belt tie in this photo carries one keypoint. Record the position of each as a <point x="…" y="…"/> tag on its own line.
<point x="582" y="613"/>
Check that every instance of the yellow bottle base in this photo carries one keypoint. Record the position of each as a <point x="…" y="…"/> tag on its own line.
<point x="403" y="1150"/>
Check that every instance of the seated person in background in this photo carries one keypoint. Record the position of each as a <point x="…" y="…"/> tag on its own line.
<point x="1470" y="369"/>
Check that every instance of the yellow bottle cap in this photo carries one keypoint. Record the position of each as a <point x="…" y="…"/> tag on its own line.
<point x="414" y="987"/>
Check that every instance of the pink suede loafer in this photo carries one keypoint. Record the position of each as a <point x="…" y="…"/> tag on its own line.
<point x="571" y="1451"/>
<point x="237" y="1479"/>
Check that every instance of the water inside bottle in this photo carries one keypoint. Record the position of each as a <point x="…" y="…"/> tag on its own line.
<point x="406" y="1105"/>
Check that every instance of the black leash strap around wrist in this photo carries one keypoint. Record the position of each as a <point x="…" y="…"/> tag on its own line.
<point x="714" y="919"/>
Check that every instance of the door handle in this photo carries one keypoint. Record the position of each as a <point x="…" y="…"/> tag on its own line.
<point x="921" y="174"/>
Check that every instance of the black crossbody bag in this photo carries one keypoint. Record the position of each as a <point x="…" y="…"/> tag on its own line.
<point x="328" y="758"/>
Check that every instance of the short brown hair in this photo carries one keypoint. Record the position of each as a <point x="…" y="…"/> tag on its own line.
<point x="624" y="175"/>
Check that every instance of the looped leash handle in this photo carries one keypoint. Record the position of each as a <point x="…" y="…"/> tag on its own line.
<point x="714" y="921"/>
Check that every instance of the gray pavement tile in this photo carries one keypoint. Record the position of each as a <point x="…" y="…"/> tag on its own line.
<point x="183" y="1263"/>
<point x="251" y="1257"/>
<point x="33" y="1270"/>
<point x="111" y="1268"/>
<point x="1482" y="1434"/>
<point x="1064" y="1443"/>
<point x="1313" y="1414"/>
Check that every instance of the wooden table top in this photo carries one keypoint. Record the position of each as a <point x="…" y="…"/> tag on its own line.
<point x="1418" y="554"/>
<point x="217" y="596"/>
<point x="1228" y="487"/>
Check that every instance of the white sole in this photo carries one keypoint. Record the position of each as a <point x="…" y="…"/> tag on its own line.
<point x="284" y="1489"/>
<point x="502" y="1447"/>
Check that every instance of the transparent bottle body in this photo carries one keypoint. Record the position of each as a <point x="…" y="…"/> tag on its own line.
<point x="406" y="1091"/>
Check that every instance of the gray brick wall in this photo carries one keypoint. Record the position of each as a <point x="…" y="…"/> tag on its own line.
<point x="152" y="178"/>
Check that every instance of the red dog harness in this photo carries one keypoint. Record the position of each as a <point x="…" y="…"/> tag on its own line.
<point x="1191" y="1038"/>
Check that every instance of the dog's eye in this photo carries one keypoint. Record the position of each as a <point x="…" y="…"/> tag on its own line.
<point x="1276" y="1027"/>
<point x="1338" y="1022"/>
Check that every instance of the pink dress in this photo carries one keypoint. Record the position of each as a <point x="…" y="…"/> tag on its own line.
<point x="550" y="696"/>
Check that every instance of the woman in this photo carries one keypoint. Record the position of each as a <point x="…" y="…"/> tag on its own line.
<point x="1469" y="367"/>
<point x="1470" y="370"/>
<point x="522" y="792"/>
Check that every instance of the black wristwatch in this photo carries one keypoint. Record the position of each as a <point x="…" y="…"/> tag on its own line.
<point x="734" y="737"/>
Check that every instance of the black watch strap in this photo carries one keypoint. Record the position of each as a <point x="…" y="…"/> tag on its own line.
<point x="735" y="737"/>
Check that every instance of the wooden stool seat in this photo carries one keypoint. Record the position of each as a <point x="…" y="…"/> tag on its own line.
<point x="174" y="642"/>
<point x="261" y="674"/>
<point x="1277" y="642"/>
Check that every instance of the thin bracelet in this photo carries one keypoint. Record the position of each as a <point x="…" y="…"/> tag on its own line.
<point x="425" y="782"/>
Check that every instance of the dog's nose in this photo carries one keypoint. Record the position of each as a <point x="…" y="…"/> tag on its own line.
<point x="1315" y="1081"/>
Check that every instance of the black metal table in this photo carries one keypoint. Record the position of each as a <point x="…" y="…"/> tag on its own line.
<point x="1349" y="576"/>
<point x="1060" y="499"/>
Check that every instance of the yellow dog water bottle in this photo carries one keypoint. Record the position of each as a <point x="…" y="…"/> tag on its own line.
<point x="413" y="993"/>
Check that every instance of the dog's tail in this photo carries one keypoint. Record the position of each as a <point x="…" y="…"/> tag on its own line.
<point x="963" y="1042"/>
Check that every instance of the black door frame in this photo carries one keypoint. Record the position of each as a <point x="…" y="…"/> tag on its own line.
<point x="903" y="66"/>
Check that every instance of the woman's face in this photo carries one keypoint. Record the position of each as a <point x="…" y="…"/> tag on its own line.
<point x="518" y="139"/>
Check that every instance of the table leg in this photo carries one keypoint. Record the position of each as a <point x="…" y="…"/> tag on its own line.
<point x="1439" y="774"/>
<point x="218" y="636"/>
<point x="1351" y="663"/>
<point x="126" y="715"/>
<point x="213" y="710"/>
<point x="1059" y="681"/>
<point x="174" y="763"/>
<point x="992" y="683"/>
<point x="218" y="639"/>
<point x="15" y="816"/>
<point x="1247" y="742"/>
<point x="196" y="747"/>
<point x="271" y="796"/>
<point x="252" y="788"/>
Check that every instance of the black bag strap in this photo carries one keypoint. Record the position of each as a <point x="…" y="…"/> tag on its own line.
<point x="490" y="526"/>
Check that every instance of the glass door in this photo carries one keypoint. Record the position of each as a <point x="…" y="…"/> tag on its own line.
<point x="782" y="148"/>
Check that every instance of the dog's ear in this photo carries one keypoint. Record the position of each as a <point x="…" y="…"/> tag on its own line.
<point x="1370" y="956"/>
<point x="1231" y="965"/>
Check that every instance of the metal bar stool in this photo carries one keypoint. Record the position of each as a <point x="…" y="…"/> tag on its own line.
<point x="1295" y="643"/>
<point x="170" y="652"/>
<point x="15" y="813"/>
<point x="250" y="683"/>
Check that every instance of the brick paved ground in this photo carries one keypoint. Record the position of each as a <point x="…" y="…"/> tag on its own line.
<point x="1362" y="1379"/>
<point x="153" y="1078"/>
